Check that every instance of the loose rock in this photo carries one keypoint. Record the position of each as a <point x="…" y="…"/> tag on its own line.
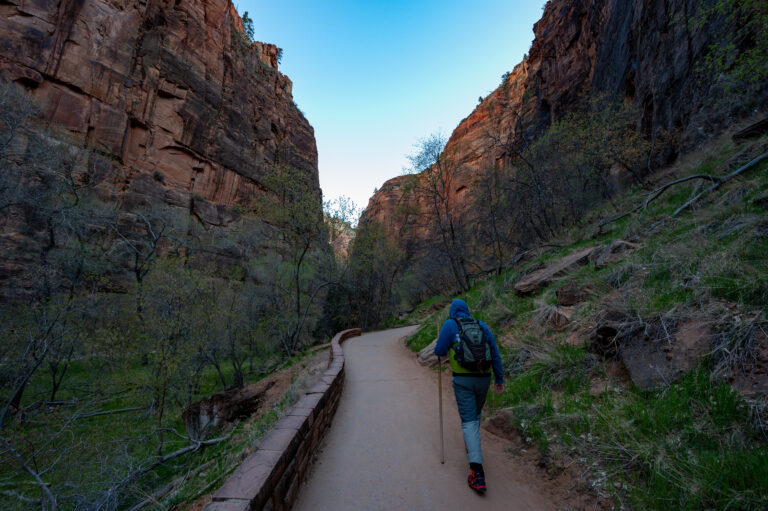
<point x="541" y="278"/>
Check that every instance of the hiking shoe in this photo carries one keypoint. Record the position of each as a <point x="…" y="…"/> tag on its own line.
<point x="476" y="481"/>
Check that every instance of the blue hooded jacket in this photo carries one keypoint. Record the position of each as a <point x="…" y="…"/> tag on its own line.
<point x="449" y="332"/>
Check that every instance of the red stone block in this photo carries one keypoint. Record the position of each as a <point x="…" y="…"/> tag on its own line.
<point x="309" y="401"/>
<point x="249" y="480"/>
<point x="282" y="440"/>
<point x="295" y="422"/>
<point x="228" y="505"/>
<point x="319" y="388"/>
<point x="299" y="411"/>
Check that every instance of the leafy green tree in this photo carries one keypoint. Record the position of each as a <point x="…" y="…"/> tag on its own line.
<point x="375" y="266"/>
<point x="248" y="26"/>
<point x="292" y="207"/>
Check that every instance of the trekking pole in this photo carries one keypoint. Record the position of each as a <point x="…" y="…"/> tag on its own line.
<point x="440" y="398"/>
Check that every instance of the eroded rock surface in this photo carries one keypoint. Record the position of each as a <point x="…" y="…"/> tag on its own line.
<point x="186" y="111"/>
<point x="572" y="294"/>
<point x="168" y="88"/>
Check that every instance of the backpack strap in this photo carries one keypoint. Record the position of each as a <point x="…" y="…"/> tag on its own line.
<point x="461" y="329"/>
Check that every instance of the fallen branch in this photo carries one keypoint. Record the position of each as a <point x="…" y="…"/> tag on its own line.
<point x="159" y="460"/>
<point x="655" y="194"/>
<point x="107" y="412"/>
<point x="170" y="489"/>
<point x="720" y="182"/>
<point x="43" y="486"/>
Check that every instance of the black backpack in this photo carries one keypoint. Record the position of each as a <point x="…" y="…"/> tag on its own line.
<point x="472" y="352"/>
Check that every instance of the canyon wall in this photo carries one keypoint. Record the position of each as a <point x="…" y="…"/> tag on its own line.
<point x="187" y="111"/>
<point x="641" y="52"/>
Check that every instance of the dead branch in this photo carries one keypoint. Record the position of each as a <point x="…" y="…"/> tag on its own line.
<point x="158" y="460"/>
<point x="107" y="412"/>
<point x="655" y="194"/>
<point x="43" y="486"/>
<point x="720" y="182"/>
<point x="171" y="488"/>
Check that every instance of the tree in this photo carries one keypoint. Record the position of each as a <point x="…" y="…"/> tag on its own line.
<point x="375" y="265"/>
<point x="141" y="237"/>
<point x="498" y="217"/>
<point x="435" y="182"/>
<point x="544" y="184"/>
<point x="292" y="207"/>
<point x="341" y="216"/>
<point x="248" y="26"/>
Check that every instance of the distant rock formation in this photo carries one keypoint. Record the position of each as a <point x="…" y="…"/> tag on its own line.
<point x="629" y="50"/>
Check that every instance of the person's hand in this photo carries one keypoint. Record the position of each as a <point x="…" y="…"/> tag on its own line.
<point x="498" y="387"/>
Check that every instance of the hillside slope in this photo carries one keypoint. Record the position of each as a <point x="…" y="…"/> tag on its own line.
<point x="638" y="350"/>
<point x="646" y="55"/>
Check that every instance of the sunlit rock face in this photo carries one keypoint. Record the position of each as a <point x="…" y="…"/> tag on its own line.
<point x="182" y="108"/>
<point x="628" y="50"/>
<point x="169" y="89"/>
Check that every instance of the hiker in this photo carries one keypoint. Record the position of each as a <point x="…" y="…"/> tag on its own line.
<point x="472" y="352"/>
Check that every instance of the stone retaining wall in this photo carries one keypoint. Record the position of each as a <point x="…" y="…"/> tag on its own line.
<point x="269" y="479"/>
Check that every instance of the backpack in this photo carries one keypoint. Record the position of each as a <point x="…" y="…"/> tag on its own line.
<point x="472" y="352"/>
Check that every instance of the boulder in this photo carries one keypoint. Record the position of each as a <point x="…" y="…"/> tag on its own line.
<point x="540" y="278"/>
<point x="657" y="357"/>
<point x="224" y="407"/>
<point x="427" y="357"/>
<point x="554" y="317"/>
<point x="502" y="424"/>
<point x="572" y="294"/>
<point x="654" y="353"/>
<point x="617" y="251"/>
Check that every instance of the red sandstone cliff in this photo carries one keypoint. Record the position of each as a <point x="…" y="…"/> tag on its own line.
<point x="626" y="49"/>
<point x="172" y="91"/>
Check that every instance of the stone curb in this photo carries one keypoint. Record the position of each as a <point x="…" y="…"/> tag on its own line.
<point x="269" y="479"/>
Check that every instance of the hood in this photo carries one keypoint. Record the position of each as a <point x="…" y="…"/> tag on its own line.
<point x="459" y="309"/>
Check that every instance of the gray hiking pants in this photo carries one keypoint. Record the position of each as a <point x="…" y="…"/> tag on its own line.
<point x="470" y="394"/>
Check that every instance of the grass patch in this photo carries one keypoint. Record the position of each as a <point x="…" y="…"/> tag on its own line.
<point x="694" y="443"/>
<point x="102" y="449"/>
<point x="423" y="336"/>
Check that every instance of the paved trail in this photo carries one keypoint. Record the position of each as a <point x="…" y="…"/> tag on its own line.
<point x="383" y="450"/>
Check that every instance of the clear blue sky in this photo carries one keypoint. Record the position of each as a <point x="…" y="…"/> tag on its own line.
<point x="374" y="77"/>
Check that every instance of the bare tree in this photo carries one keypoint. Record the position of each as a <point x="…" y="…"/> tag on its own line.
<point x="436" y="171"/>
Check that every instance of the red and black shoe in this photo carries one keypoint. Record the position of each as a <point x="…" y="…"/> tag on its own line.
<point x="476" y="481"/>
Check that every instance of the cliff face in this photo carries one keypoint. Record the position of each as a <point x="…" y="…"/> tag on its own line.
<point x="172" y="91"/>
<point x="182" y="108"/>
<point x="629" y="50"/>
